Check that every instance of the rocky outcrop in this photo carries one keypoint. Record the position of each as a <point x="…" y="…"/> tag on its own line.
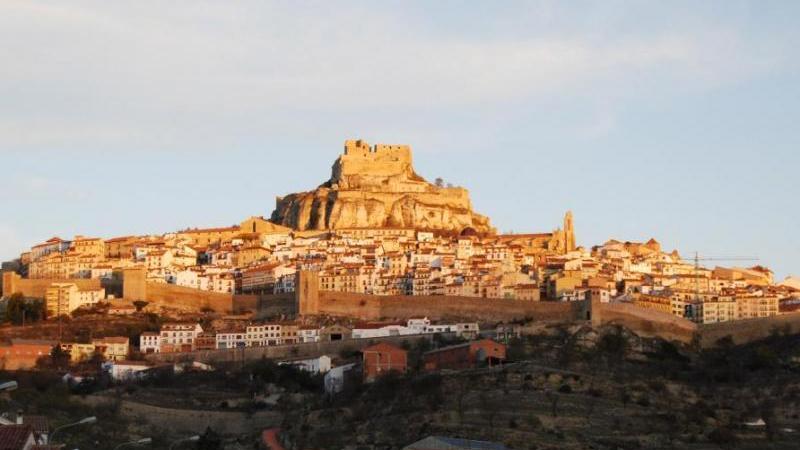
<point x="376" y="187"/>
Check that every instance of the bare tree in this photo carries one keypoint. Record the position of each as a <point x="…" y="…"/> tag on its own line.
<point x="553" y="397"/>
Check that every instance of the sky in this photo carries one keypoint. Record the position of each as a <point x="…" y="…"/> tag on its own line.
<point x="674" y="120"/>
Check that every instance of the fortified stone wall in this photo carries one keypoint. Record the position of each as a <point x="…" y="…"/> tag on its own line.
<point x="170" y="295"/>
<point x="438" y="307"/>
<point x="134" y="284"/>
<point x="307" y="292"/>
<point x="36" y="287"/>
<point x="743" y="331"/>
<point x="136" y="287"/>
<point x="644" y="322"/>
<point x="266" y="305"/>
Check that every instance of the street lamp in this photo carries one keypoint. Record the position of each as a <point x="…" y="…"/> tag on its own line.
<point x="142" y="441"/>
<point x="194" y="438"/>
<point x="84" y="421"/>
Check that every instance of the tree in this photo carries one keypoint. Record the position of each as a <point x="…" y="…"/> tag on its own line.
<point x="59" y="358"/>
<point x="613" y="346"/>
<point x="516" y="350"/>
<point x="19" y="309"/>
<point x="553" y="397"/>
<point x="209" y="440"/>
<point x="624" y="397"/>
<point x="140" y="304"/>
<point x="439" y="182"/>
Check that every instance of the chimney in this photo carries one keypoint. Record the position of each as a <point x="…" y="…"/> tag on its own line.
<point x="19" y="417"/>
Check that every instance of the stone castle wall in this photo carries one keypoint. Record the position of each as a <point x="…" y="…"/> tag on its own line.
<point x="179" y="297"/>
<point x="36" y="287"/>
<point x="642" y="321"/>
<point x="312" y="301"/>
<point x="440" y="307"/>
<point x="743" y="331"/>
<point x="136" y="287"/>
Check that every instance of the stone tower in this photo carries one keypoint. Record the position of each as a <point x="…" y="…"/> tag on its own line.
<point x="569" y="232"/>
<point x="307" y="292"/>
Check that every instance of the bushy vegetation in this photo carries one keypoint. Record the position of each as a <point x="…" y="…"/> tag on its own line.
<point x="20" y="309"/>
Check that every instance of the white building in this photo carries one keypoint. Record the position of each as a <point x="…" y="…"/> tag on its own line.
<point x="150" y="342"/>
<point x="467" y="330"/>
<point x="231" y="339"/>
<point x="129" y="370"/>
<point x="179" y="336"/>
<point x="311" y="365"/>
<point x="192" y="278"/>
<point x="334" y="378"/>
<point x="365" y="331"/>
<point x="308" y="334"/>
<point x="261" y="335"/>
<point x="419" y="326"/>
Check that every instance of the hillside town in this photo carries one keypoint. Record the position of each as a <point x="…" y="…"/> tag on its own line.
<point x="259" y="257"/>
<point x="391" y="280"/>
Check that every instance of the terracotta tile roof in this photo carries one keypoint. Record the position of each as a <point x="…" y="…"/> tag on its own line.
<point x="14" y="437"/>
<point x="39" y="424"/>
<point x="382" y="347"/>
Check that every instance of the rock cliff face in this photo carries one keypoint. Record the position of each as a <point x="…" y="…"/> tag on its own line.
<point x="376" y="187"/>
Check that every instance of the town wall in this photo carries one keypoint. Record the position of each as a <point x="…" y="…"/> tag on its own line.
<point x="275" y="305"/>
<point x="191" y="420"/>
<point x="36" y="287"/>
<point x="743" y="331"/>
<point x="307" y="292"/>
<point x="439" y="307"/>
<point x="180" y="297"/>
<point x="644" y="322"/>
<point x="134" y="285"/>
<point x="266" y="305"/>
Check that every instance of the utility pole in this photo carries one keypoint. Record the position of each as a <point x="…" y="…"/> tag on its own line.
<point x="59" y="318"/>
<point x="697" y="258"/>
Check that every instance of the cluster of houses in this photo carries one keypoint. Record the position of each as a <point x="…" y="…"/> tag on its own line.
<point x="21" y="354"/>
<point x="260" y="257"/>
<point x="376" y="360"/>
<point x="186" y="337"/>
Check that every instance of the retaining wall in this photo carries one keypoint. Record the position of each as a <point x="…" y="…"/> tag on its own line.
<point x="191" y="421"/>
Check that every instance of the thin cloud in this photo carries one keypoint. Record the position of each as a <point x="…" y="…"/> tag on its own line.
<point x="172" y="76"/>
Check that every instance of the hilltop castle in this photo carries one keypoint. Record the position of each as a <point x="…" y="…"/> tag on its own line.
<point x="377" y="187"/>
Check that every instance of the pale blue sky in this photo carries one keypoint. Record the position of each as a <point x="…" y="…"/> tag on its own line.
<point x="677" y="120"/>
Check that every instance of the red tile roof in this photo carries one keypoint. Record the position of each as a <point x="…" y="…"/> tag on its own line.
<point x="14" y="437"/>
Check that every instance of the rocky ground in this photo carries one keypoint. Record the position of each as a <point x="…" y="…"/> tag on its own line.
<point x="568" y="387"/>
<point x="575" y="388"/>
